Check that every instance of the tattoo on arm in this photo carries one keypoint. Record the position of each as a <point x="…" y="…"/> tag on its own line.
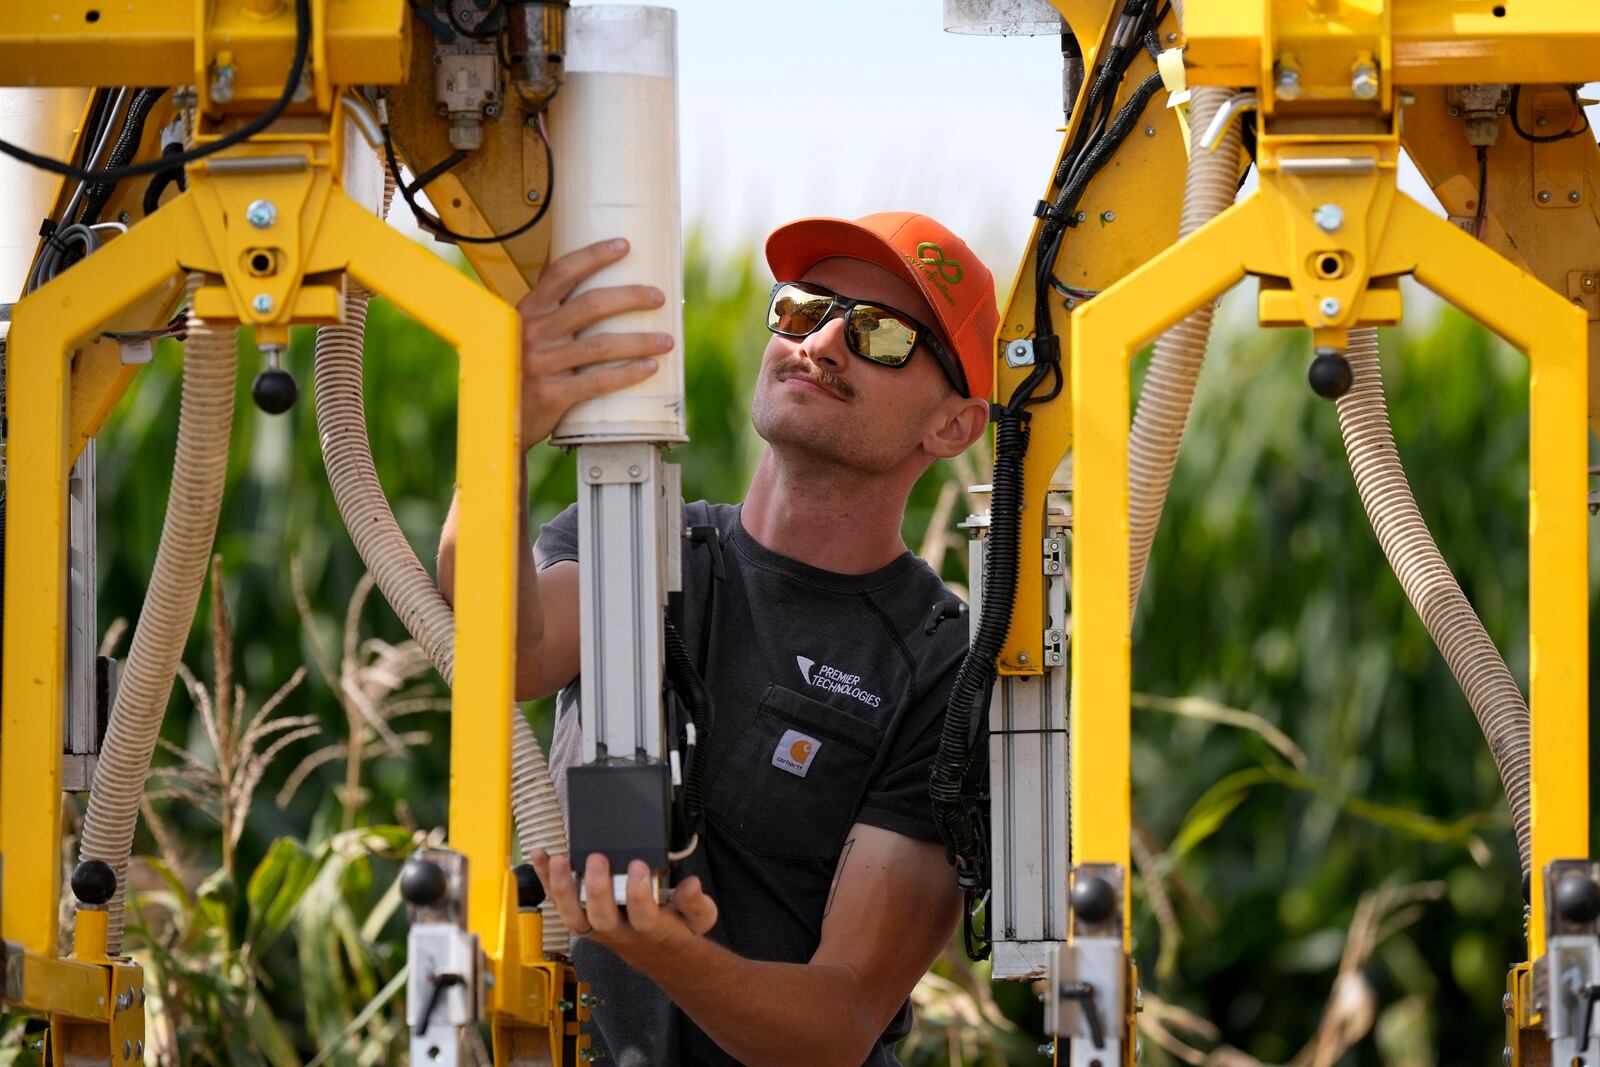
<point x="844" y="857"/>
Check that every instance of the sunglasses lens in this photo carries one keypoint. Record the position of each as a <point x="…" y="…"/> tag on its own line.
<point x="880" y="335"/>
<point x="797" y="311"/>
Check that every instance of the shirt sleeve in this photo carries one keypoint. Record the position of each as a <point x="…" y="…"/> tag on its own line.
<point x="558" y="539"/>
<point x="898" y="798"/>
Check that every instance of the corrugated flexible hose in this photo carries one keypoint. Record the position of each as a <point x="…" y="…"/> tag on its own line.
<point x="199" y="471"/>
<point x="1169" y="383"/>
<point x="400" y="576"/>
<point x="1403" y="533"/>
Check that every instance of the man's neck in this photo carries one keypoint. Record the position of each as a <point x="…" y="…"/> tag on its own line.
<point x="827" y="517"/>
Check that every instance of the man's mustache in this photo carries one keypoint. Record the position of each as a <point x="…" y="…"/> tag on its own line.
<point x="795" y="367"/>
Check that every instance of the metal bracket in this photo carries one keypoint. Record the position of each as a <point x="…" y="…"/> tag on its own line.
<point x="615" y="464"/>
<point x="1054" y="643"/>
<point x="1019" y="353"/>
<point x="1055" y="555"/>
<point x="1086" y="1000"/>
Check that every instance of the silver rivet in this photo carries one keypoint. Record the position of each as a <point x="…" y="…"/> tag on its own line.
<point x="1588" y="281"/>
<point x="491" y="110"/>
<point x="1080" y="216"/>
<point x="1108" y="216"/>
<point x="261" y="213"/>
<point x="533" y="196"/>
<point x="1171" y="37"/>
<point x="1149" y="131"/>
<point x="1574" y="196"/>
<point x="1330" y="306"/>
<point x="262" y="304"/>
<point x="1500" y="109"/>
<point x="1544" y="196"/>
<point x="633" y="471"/>
<point x="594" y="472"/>
<point x="1328" y="217"/>
<point x="1541" y="122"/>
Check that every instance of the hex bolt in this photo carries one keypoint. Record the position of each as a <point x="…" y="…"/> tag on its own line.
<point x="1328" y="217"/>
<point x="1329" y="306"/>
<point x="261" y="213"/>
<point x="222" y="83"/>
<point x="1364" y="81"/>
<point x="1108" y="216"/>
<point x="262" y="304"/>
<point x="1288" y="84"/>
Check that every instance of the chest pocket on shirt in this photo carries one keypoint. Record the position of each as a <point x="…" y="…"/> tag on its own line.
<point x="794" y="779"/>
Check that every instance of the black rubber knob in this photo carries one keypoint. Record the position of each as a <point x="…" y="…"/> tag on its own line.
<point x="94" y="882"/>
<point x="1093" y="899"/>
<point x="422" y="883"/>
<point x="1330" y="376"/>
<point x="274" y="391"/>
<point x="530" y="891"/>
<point x="1578" y="899"/>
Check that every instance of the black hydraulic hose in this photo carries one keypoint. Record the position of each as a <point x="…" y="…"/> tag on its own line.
<point x="687" y="680"/>
<point x="975" y="679"/>
<point x="122" y="152"/>
<point x="158" y="183"/>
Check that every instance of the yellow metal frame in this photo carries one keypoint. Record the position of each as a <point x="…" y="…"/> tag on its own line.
<point x="63" y="379"/>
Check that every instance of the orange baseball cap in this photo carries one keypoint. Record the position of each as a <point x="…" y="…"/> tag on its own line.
<point x="955" y="283"/>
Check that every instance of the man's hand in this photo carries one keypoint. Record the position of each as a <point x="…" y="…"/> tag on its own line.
<point x="558" y="369"/>
<point x="648" y="931"/>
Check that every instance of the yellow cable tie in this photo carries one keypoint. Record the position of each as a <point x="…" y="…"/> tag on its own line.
<point x="1170" y="65"/>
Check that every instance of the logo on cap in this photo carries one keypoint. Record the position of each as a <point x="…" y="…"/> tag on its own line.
<point x="933" y="255"/>
<point x="795" y="752"/>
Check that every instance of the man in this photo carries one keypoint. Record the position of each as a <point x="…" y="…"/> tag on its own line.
<point x="819" y="893"/>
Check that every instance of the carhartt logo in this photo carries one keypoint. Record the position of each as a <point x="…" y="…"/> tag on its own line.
<point x="795" y="752"/>
<point x="822" y="676"/>
<point x="933" y="255"/>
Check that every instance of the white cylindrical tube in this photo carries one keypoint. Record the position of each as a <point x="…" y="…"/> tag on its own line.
<point x="44" y="121"/>
<point x="614" y="134"/>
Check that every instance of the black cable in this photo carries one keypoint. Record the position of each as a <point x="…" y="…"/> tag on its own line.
<point x="1543" y="138"/>
<point x="126" y="147"/>
<point x="692" y="688"/>
<point x="164" y="178"/>
<point x="1483" y="193"/>
<point x="302" y="46"/>
<point x="435" y="225"/>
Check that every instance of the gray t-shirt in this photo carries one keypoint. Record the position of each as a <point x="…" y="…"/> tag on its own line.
<point x="830" y="696"/>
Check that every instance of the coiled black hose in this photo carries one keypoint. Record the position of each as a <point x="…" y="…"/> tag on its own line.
<point x="692" y="688"/>
<point x="975" y="679"/>
<point x="122" y="152"/>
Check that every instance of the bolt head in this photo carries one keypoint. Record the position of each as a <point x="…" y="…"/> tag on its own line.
<point x="1505" y="1056"/>
<point x="1507" y="1004"/>
<point x="1328" y="217"/>
<point x="634" y="471"/>
<point x="127" y="1050"/>
<point x="1108" y="216"/>
<point x="138" y="1050"/>
<point x="222" y="84"/>
<point x="1455" y="112"/>
<point x="594" y="472"/>
<point x="1081" y="216"/>
<point x="1022" y="657"/>
<point x="533" y="196"/>
<point x="1574" y="196"/>
<point x="262" y="304"/>
<point x="1047" y="1049"/>
<point x="491" y="110"/>
<point x="1544" y="196"/>
<point x="1329" y="306"/>
<point x="261" y="213"/>
<point x="1149" y="131"/>
<point x="1364" y="81"/>
<point x="1541" y="122"/>
<point x="1288" y="84"/>
<point x="1588" y="282"/>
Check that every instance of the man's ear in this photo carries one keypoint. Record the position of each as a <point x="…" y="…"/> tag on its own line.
<point x="955" y="426"/>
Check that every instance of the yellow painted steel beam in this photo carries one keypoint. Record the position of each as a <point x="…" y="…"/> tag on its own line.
<point x="45" y="327"/>
<point x="1435" y="42"/>
<point x="1553" y="334"/>
<point x="1556" y="238"/>
<point x="487" y="335"/>
<point x="46" y="42"/>
<point x="1142" y="189"/>
<point x="1106" y="332"/>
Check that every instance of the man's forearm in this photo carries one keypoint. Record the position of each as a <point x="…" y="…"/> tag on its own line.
<point x="764" y="1013"/>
